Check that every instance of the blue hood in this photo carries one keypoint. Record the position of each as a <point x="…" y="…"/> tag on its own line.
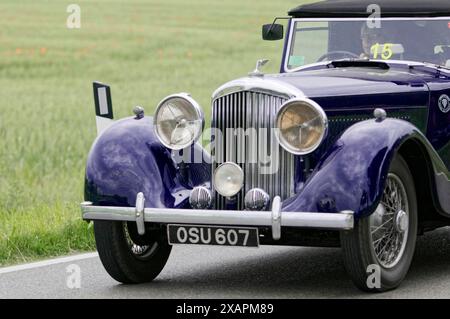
<point x="362" y="87"/>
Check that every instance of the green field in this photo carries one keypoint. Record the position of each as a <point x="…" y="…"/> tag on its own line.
<point x="145" y="50"/>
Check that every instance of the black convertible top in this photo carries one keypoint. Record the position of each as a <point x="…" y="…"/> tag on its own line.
<point x="358" y="8"/>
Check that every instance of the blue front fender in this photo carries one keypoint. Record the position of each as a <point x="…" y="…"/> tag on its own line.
<point x="352" y="173"/>
<point x="128" y="158"/>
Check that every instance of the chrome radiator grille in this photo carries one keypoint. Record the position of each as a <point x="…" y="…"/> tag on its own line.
<point x="242" y="111"/>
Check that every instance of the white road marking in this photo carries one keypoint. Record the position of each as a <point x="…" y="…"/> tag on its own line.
<point x="48" y="262"/>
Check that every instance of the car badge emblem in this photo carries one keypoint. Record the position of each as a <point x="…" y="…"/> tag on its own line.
<point x="444" y="103"/>
<point x="259" y="65"/>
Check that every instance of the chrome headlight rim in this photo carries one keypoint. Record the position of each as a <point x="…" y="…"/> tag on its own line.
<point x="195" y="105"/>
<point x="215" y="184"/>
<point x="324" y="120"/>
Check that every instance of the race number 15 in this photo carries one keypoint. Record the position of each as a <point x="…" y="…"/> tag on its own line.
<point x="383" y="50"/>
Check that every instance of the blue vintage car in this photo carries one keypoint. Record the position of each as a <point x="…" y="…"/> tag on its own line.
<point x="348" y="146"/>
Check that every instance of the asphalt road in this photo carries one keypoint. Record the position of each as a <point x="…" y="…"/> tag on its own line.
<point x="208" y="272"/>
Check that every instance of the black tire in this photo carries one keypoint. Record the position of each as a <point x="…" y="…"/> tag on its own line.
<point x="120" y="262"/>
<point x="358" y="249"/>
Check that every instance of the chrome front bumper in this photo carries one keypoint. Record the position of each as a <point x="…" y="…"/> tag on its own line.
<point x="275" y="218"/>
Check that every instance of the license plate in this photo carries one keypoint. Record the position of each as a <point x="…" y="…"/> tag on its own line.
<point x="213" y="235"/>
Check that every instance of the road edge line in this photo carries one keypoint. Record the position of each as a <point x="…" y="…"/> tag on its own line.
<point x="49" y="262"/>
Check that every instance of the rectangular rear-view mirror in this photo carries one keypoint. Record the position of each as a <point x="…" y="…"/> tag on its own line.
<point x="272" y="32"/>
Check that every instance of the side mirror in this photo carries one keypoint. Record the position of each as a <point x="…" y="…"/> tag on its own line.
<point x="272" y="32"/>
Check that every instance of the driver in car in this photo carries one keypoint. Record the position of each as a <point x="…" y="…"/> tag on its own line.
<point x="370" y="37"/>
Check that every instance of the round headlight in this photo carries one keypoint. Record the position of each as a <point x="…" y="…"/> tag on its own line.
<point x="301" y="126"/>
<point x="228" y="179"/>
<point x="178" y="121"/>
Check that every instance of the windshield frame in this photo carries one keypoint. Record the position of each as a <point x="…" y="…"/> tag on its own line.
<point x="293" y="22"/>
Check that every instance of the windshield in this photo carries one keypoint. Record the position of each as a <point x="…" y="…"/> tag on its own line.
<point x="420" y="40"/>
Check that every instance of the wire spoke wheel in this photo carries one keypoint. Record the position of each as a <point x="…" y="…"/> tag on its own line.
<point x="142" y="252"/>
<point x="389" y="225"/>
<point x="387" y="237"/>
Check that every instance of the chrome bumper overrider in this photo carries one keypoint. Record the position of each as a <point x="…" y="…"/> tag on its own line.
<point x="275" y="219"/>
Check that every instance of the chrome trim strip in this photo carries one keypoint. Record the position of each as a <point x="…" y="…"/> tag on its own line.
<point x="407" y="63"/>
<point x="267" y="85"/>
<point x="275" y="218"/>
